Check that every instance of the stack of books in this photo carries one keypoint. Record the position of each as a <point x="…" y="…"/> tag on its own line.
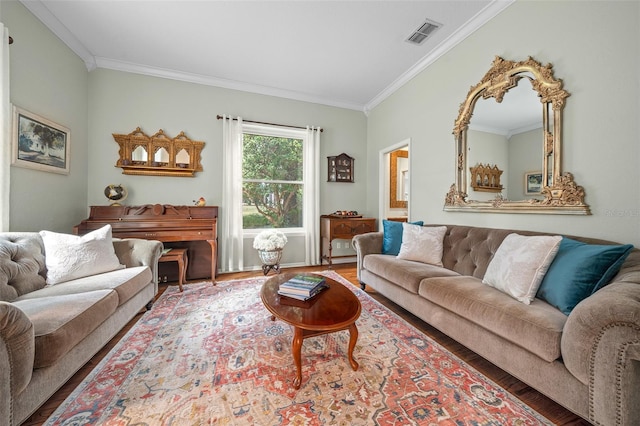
<point x="302" y="287"/>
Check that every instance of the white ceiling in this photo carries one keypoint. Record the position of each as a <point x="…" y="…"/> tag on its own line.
<point x="349" y="54"/>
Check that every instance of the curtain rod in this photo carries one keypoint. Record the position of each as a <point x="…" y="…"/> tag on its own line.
<point x="270" y="124"/>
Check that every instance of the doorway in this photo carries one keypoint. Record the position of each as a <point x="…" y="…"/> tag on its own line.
<point x="395" y="182"/>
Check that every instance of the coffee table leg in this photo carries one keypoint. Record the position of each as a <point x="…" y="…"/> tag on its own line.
<point x="353" y="338"/>
<point x="296" y="349"/>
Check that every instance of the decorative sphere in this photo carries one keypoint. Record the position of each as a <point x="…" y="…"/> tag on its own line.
<point x="115" y="193"/>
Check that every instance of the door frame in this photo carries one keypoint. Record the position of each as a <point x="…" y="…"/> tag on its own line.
<point x="383" y="178"/>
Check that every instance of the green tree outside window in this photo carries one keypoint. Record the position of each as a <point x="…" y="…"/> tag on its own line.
<point x="272" y="173"/>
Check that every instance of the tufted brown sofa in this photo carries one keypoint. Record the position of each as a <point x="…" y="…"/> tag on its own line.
<point x="589" y="361"/>
<point x="48" y="332"/>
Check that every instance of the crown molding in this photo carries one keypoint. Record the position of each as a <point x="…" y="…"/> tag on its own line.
<point x="221" y="82"/>
<point x="40" y="11"/>
<point x="473" y="24"/>
<point x="504" y="132"/>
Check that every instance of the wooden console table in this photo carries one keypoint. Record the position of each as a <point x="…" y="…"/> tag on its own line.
<point x="333" y="227"/>
<point x="187" y="227"/>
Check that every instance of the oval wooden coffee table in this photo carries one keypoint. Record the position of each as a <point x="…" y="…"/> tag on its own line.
<point x="334" y="309"/>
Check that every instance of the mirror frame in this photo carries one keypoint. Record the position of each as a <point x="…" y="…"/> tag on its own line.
<point x="562" y="195"/>
<point x="394" y="203"/>
<point x="152" y="144"/>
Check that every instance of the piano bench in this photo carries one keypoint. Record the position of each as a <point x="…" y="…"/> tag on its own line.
<point x="177" y="255"/>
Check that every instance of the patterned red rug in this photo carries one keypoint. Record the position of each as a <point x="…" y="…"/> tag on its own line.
<point x="212" y="356"/>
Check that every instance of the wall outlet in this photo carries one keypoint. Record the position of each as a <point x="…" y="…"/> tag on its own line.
<point x="341" y="247"/>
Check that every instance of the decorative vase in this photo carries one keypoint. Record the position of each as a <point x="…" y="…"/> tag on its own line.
<point x="270" y="260"/>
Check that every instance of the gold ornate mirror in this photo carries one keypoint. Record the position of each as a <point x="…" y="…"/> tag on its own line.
<point x="528" y="150"/>
<point x="398" y="169"/>
<point x="158" y="155"/>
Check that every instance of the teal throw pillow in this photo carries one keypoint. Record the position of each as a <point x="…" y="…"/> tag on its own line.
<point x="578" y="271"/>
<point x="392" y="236"/>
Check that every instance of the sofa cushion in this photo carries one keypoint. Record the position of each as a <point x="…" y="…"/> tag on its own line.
<point x="404" y="273"/>
<point x="22" y="267"/>
<point x="520" y="263"/>
<point x="392" y="236"/>
<point x="422" y="243"/>
<point x="579" y="270"/>
<point x="126" y="282"/>
<point x="70" y="256"/>
<point x="61" y="322"/>
<point x="536" y="327"/>
<point x="468" y="250"/>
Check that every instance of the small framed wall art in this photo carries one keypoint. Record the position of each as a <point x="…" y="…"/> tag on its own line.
<point x="340" y="168"/>
<point x="533" y="183"/>
<point x="39" y="143"/>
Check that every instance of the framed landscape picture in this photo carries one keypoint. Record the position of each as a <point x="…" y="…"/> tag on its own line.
<point x="532" y="183"/>
<point x="39" y="143"/>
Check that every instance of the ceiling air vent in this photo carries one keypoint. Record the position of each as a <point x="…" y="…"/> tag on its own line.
<point x="423" y="32"/>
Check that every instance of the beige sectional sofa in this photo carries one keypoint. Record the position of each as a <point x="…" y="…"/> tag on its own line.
<point x="48" y="332"/>
<point x="588" y="360"/>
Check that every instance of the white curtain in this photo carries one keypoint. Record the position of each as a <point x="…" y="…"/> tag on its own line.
<point x="5" y="130"/>
<point x="312" y="195"/>
<point x="230" y="230"/>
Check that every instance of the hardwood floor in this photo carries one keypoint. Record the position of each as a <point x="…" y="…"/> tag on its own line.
<point x="554" y="412"/>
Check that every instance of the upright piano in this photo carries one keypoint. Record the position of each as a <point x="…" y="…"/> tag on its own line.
<point x="190" y="227"/>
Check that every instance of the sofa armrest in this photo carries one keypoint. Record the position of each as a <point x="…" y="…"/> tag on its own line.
<point x="369" y="243"/>
<point x="139" y="252"/>
<point x="17" y="352"/>
<point x="601" y="347"/>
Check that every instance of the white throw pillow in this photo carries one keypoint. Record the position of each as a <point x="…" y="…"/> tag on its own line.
<point x="70" y="256"/>
<point x="519" y="264"/>
<point x="422" y="243"/>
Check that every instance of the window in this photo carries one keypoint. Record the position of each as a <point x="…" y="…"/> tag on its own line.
<point x="272" y="177"/>
<point x="281" y="177"/>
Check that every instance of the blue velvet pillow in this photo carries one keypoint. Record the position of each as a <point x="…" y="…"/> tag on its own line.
<point x="392" y="236"/>
<point x="579" y="270"/>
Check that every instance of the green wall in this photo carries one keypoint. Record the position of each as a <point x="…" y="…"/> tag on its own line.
<point x="595" y="48"/>
<point x="47" y="79"/>
<point x="600" y="69"/>
<point x="119" y="102"/>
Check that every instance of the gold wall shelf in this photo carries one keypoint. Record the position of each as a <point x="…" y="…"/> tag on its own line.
<point x="158" y="155"/>
<point x="485" y="178"/>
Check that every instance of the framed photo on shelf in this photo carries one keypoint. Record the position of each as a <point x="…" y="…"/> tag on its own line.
<point x="340" y="168"/>
<point x="39" y="143"/>
<point x="533" y="183"/>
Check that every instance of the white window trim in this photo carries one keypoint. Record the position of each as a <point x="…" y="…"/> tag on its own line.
<point x="281" y="132"/>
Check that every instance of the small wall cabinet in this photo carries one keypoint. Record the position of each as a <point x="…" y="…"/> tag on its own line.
<point x="340" y="168"/>
<point x="158" y="155"/>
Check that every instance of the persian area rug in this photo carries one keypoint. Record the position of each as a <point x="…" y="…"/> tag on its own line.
<point x="212" y="356"/>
